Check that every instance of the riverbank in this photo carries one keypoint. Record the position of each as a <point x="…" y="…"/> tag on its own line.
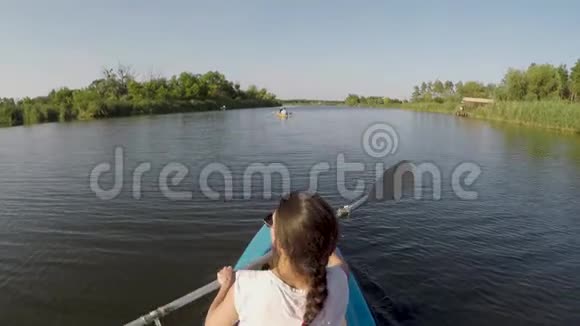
<point x="25" y="115"/>
<point x="312" y="102"/>
<point x="542" y="95"/>
<point x="119" y="94"/>
<point x="556" y="115"/>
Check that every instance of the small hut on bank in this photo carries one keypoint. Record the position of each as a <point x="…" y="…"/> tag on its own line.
<point x="471" y="103"/>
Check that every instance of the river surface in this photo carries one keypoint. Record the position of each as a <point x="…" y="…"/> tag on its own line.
<point x="68" y="257"/>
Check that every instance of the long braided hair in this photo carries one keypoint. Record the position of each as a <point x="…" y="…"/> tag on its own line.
<point x="306" y="231"/>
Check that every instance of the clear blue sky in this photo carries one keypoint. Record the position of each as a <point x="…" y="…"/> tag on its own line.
<point x="297" y="49"/>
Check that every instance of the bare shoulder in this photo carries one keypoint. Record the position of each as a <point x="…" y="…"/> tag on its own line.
<point x="337" y="284"/>
<point x="250" y="275"/>
<point x="337" y="261"/>
<point x="337" y="272"/>
<point x="249" y="283"/>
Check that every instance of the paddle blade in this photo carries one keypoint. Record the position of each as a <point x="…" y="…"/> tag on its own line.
<point x="395" y="182"/>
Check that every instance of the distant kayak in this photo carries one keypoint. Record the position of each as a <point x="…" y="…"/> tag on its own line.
<point x="283" y="116"/>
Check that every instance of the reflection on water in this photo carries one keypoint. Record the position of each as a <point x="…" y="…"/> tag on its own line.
<point x="541" y="143"/>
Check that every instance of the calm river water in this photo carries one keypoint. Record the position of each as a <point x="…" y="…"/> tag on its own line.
<point x="67" y="257"/>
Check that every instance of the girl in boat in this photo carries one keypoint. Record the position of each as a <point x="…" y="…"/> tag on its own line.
<point x="307" y="284"/>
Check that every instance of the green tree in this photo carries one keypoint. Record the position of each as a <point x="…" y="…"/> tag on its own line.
<point x="252" y="92"/>
<point x="575" y="81"/>
<point x="118" y="93"/>
<point x="263" y="94"/>
<point x="352" y="100"/>
<point x="136" y="91"/>
<point x="564" y="82"/>
<point x="459" y="88"/>
<point x="416" y="96"/>
<point x="10" y="112"/>
<point x="516" y="84"/>
<point x="543" y="82"/>
<point x="449" y="88"/>
<point x="124" y="74"/>
<point x="473" y="89"/>
<point x="491" y="90"/>
<point x="501" y="93"/>
<point x="62" y="101"/>
<point x="438" y="88"/>
<point x="423" y="88"/>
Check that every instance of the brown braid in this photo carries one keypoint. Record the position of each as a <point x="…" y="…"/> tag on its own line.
<point x="317" y="293"/>
<point x="306" y="231"/>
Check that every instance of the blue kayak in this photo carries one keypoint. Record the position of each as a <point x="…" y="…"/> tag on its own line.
<point x="357" y="311"/>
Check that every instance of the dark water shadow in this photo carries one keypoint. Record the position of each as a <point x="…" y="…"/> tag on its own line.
<point x="386" y="310"/>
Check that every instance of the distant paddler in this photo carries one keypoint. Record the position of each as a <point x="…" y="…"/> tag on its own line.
<point x="283" y="113"/>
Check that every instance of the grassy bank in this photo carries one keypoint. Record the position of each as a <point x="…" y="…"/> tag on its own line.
<point x="40" y="112"/>
<point x="558" y="115"/>
<point x="447" y="107"/>
<point x="542" y="95"/>
<point x="312" y="102"/>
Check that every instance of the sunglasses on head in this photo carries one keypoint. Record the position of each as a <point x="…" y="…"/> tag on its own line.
<point x="269" y="220"/>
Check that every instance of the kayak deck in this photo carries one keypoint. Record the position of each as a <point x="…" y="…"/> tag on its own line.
<point x="357" y="311"/>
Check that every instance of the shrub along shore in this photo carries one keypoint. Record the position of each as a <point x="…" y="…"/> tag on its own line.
<point x="118" y="94"/>
<point x="542" y="95"/>
<point x="556" y="115"/>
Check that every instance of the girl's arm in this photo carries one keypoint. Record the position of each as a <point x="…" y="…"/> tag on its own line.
<point x="222" y="311"/>
<point x="335" y="260"/>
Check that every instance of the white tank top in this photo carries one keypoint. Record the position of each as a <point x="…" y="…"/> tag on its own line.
<point x="261" y="298"/>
